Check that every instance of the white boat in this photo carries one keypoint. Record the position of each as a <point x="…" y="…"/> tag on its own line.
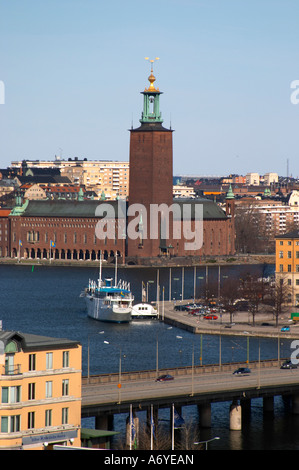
<point x="107" y="302"/>
<point x="143" y="311"/>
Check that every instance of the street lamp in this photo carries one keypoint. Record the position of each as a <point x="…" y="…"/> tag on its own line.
<point x="97" y="333"/>
<point x="119" y="370"/>
<point x="157" y="351"/>
<point x="206" y="442"/>
<point x="147" y="283"/>
<point x="192" y="367"/>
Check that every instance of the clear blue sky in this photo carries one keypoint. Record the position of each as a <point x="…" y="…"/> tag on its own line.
<point x="73" y="72"/>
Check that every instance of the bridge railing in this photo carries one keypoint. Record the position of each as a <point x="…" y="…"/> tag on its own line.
<point x="179" y="371"/>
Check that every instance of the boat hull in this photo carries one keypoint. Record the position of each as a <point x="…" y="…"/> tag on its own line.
<point x="97" y="310"/>
<point x="143" y="312"/>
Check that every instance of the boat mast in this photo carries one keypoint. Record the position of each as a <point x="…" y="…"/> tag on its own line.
<point x="115" y="281"/>
<point x="100" y="271"/>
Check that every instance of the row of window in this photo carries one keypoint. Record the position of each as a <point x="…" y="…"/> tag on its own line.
<point x="49" y="360"/>
<point x="289" y="254"/>
<point x="289" y="243"/>
<point x="11" y="424"/>
<point x="289" y="268"/>
<point x="12" y="394"/>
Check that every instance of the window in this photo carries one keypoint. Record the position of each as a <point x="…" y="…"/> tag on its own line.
<point x="297" y="282"/>
<point x="281" y="254"/>
<point x="49" y="360"/>
<point x="31" y="391"/>
<point x="289" y="268"/>
<point x="11" y="394"/>
<point x="31" y="419"/>
<point x="49" y="386"/>
<point x="289" y="254"/>
<point x="281" y="268"/>
<point x="65" y="359"/>
<point x="32" y="361"/>
<point x="281" y="243"/>
<point x="65" y="415"/>
<point x="48" y="418"/>
<point x="10" y="423"/>
<point x="65" y="387"/>
<point x="289" y="282"/>
<point x="297" y="254"/>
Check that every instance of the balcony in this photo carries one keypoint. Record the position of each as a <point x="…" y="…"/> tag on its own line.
<point x="11" y="370"/>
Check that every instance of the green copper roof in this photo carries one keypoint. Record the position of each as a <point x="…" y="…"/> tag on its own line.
<point x="87" y="208"/>
<point x="230" y="194"/>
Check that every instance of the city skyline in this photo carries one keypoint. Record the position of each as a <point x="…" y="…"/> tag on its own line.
<point x="73" y="73"/>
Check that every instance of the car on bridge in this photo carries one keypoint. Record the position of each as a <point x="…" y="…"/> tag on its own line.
<point x="285" y="328"/>
<point x="288" y="365"/>
<point x="164" y="378"/>
<point x="242" y="371"/>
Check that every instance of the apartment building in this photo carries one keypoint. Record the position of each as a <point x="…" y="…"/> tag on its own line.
<point x="40" y="381"/>
<point x="110" y="179"/>
<point x="287" y="263"/>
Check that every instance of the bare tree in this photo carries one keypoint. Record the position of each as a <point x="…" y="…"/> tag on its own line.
<point x="253" y="290"/>
<point x="229" y="294"/>
<point x="280" y="293"/>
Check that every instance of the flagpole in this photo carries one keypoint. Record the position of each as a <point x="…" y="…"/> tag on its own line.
<point x="131" y="418"/>
<point x="172" y="430"/>
<point x="152" y="423"/>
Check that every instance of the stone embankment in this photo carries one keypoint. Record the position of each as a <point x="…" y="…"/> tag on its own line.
<point x="241" y="324"/>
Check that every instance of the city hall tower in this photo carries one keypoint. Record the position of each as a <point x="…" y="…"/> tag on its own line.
<point x="151" y="175"/>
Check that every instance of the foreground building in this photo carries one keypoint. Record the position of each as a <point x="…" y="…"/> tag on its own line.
<point x="40" y="381"/>
<point x="287" y="264"/>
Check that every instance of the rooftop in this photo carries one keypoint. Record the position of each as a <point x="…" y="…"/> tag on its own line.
<point x="30" y="341"/>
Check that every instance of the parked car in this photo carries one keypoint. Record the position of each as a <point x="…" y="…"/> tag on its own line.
<point x="242" y="371"/>
<point x="288" y="365"/>
<point x="285" y="328"/>
<point x="210" y="317"/>
<point x="180" y="308"/>
<point x="164" y="378"/>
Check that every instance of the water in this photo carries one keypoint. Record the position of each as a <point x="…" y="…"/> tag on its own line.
<point x="45" y="300"/>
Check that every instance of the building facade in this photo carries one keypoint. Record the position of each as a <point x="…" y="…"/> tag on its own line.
<point x="65" y="230"/>
<point x="40" y="381"/>
<point x="287" y="263"/>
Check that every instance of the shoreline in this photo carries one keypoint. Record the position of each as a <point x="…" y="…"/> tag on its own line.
<point x="147" y="263"/>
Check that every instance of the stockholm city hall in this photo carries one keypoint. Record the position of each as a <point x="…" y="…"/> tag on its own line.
<point x="70" y="226"/>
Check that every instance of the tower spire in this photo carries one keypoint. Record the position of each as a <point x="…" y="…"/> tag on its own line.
<point x="151" y="78"/>
<point x="151" y="112"/>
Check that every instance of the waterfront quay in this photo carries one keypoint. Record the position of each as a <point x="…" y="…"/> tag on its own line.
<point x="265" y="324"/>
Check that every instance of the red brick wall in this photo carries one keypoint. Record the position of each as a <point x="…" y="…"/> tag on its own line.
<point x="150" y="180"/>
<point x="73" y="234"/>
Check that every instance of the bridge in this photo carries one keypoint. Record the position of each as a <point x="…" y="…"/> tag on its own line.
<point x="109" y="394"/>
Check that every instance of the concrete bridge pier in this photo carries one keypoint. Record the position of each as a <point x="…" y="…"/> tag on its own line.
<point x="205" y="419"/>
<point x="104" y="421"/>
<point x="268" y="404"/>
<point x="246" y="407"/>
<point x="235" y="416"/>
<point x="295" y="404"/>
